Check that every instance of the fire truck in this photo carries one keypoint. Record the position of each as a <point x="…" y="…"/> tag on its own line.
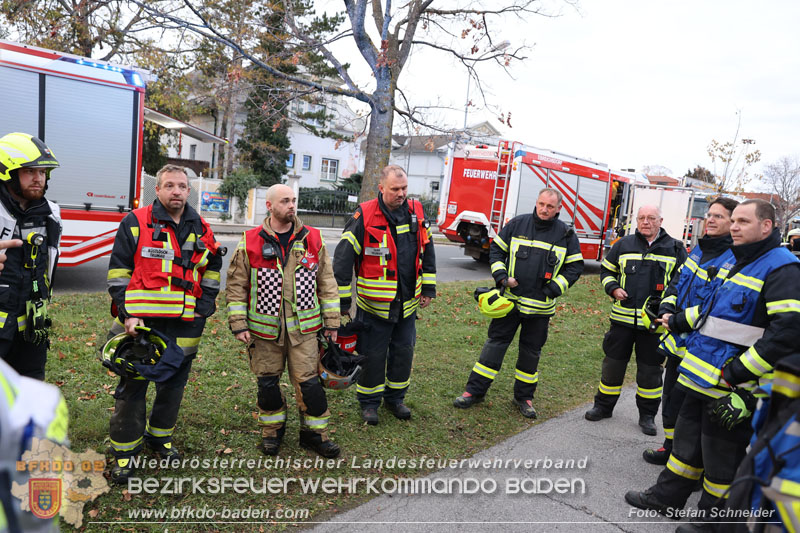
<point x="486" y="186"/>
<point x="90" y="113"/>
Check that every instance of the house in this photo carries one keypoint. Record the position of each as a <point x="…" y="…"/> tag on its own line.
<point x="319" y="162"/>
<point x="423" y="156"/>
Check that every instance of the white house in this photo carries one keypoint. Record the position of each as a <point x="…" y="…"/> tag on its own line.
<point x="319" y="162"/>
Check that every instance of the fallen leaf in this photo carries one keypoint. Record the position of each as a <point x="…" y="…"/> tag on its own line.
<point x="126" y="495"/>
<point x="93" y="513"/>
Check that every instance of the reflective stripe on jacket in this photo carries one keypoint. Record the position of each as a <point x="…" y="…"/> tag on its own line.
<point x="724" y="335"/>
<point x="298" y="283"/>
<point x="697" y="281"/>
<point x="641" y="270"/>
<point x="377" y="275"/>
<point x="167" y="275"/>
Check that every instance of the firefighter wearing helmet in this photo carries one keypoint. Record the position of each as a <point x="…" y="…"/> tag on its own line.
<point x="536" y="257"/>
<point x="163" y="274"/>
<point x="33" y="224"/>
<point x="281" y="293"/>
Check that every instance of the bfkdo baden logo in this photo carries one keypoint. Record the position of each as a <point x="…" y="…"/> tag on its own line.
<point x="44" y="496"/>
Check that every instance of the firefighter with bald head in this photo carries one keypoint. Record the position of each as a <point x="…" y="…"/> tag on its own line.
<point x="388" y="241"/>
<point x="636" y="273"/>
<point x="281" y="293"/>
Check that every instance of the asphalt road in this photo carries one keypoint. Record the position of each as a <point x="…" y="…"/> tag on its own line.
<point x="451" y="265"/>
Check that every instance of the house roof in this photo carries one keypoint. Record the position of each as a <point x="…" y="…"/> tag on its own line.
<point x="663" y="180"/>
<point x="768" y="196"/>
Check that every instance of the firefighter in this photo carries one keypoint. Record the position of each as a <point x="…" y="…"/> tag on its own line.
<point x="34" y="222"/>
<point x="793" y="240"/>
<point x="694" y="282"/>
<point x="28" y="409"/>
<point x="636" y="270"/>
<point x="389" y="242"/>
<point x="768" y="479"/>
<point x="536" y="257"/>
<point x="163" y="274"/>
<point x="281" y="292"/>
<point x="740" y="333"/>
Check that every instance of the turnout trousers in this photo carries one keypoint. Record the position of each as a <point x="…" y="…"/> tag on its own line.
<point x="701" y="449"/>
<point x="618" y="344"/>
<point x="389" y="348"/>
<point x="130" y="427"/>
<point x="532" y="337"/>
<point x="26" y="358"/>
<point x="267" y="361"/>
<point x="671" y="400"/>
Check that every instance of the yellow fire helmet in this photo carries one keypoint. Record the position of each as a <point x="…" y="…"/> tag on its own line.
<point x="20" y="150"/>
<point x="650" y="314"/>
<point x="492" y="303"/>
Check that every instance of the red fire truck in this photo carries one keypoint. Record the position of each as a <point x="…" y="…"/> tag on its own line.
<point x="486" y="186"/>
<point x="90" y="113"/>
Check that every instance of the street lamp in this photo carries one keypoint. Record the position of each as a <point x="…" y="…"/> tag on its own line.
<point x="496" y="48"/>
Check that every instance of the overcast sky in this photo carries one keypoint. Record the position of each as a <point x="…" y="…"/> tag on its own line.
<point x="643" y="82"/>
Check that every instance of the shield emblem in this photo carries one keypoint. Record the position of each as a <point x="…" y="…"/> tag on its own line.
<point x="44" y="497"/>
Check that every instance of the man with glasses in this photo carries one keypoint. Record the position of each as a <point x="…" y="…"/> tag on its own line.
<point x="635" y="273"/>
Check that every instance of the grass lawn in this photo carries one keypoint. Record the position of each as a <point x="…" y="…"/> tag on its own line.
<point x="218" y="415"/>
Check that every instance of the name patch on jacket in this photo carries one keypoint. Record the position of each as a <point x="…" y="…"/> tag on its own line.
<point x="378" y="252"/>
<point x="158" y="253"/>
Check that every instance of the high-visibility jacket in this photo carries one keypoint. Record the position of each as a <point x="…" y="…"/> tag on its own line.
<point x="544" y="256"/>
<point x="643" y="270"/>
<point x="750" y="323"/>
<point x="377" y="267"/>
<point x="697" y="279"/>
<point x="28" y="409"/>
<point x="167" y="275"/>
<point x="27" y="271"/>
<point x="774" y="455"/>
<point x="734" y="323"/>
<point x="263" y="276"/>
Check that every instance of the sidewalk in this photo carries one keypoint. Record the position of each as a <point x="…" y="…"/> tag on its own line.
<point x="613" y="448"/>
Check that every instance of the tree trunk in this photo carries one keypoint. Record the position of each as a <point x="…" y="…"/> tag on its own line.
<point x="379" y="139"/>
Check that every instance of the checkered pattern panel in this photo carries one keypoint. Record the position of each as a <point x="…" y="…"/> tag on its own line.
<point x="268" y="301"/>
<point x="306" y="287"/>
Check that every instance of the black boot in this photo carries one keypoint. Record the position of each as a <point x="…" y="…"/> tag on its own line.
<point x="313" y="441"/>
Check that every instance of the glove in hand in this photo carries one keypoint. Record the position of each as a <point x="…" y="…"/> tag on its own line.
<point x="732" y="409"/>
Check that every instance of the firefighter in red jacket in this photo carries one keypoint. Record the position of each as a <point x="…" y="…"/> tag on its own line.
<point x="281" y="293"/>
<point x="164" y="274"/>
<point x="389" y="243"/>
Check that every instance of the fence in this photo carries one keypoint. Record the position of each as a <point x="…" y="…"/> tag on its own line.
<point x="316" y="207"/>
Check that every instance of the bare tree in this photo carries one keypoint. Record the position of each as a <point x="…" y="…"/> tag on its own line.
<point x="783" y="178"/>
<point x="735" y="158"/>
<point x="656" y="170"/>
<point x="385" y="35"/>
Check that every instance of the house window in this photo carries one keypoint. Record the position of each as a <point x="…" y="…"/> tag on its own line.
<point x="192" y="151"/>
<point x="330" y="169"/>
<point x="434" y="186"/>
<point x="290" y="161"/>
<point x="306" y="162"/>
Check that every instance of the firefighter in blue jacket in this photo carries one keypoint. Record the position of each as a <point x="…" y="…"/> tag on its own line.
<point x="739" y="334"/>
<point x="636" y="272"/>
<point x="695" y="282"/>
<point x="388" y="241"/>
<point x="537" y="257"/>
<point x="767" y="485"/>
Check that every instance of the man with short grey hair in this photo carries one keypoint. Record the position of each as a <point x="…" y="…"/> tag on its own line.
<point x="635" y="273"/>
